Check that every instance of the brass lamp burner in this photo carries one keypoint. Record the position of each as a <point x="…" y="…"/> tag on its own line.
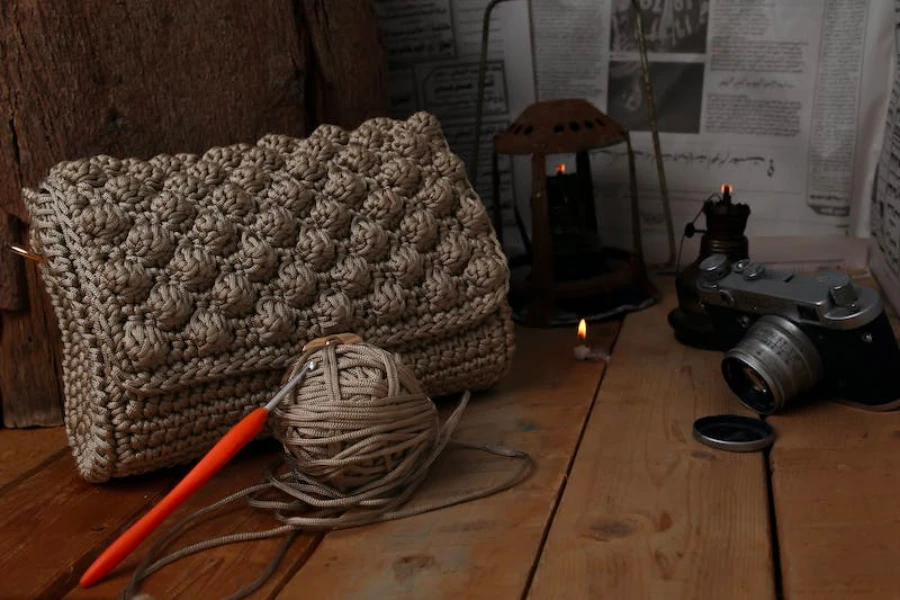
<point x="724" y="234"/>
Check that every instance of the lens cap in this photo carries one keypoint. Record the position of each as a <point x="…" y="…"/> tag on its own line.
<point x="734" y="433"/>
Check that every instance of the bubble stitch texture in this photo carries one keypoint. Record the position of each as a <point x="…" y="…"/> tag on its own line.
<point x="297" y="284"/>
<point x="368" y="240"/>
<point x="170" y="304"/>
<point x="185" y="284"/>
<point x="150" y="241"/>
<point x="195" y="267"/>
<point x="215" y="231"/>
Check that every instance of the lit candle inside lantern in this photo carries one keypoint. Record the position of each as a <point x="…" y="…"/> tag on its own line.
<point x="563" y="194"/>
<point x="582" y="350"/>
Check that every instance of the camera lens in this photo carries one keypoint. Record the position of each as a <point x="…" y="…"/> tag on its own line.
<point x="774" y="363"/>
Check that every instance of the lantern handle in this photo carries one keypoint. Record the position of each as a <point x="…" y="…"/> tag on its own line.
<point x="482" y="73"/>
<point x="654" y="130"/>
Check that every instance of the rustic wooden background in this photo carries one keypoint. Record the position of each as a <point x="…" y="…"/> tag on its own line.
<point x="134" y="78"/>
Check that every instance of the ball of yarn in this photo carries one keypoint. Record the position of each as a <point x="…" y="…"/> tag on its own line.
<point x="359" y="435"/>
<point x="358" y="424"/>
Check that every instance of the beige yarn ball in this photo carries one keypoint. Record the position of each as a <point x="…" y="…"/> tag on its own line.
<point x="359" y="423"/>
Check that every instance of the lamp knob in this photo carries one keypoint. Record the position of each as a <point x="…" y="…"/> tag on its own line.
<point x="754" y="271"/>
<point x="841" y="290"/>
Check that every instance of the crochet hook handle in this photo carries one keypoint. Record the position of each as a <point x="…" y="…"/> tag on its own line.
<point x="220" y="454"/>
<point x="224" y="450"/>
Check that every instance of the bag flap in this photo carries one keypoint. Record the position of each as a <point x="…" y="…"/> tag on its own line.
<point x="192" y="268"/>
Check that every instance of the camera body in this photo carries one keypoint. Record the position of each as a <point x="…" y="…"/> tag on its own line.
<point x="787" y="335"/>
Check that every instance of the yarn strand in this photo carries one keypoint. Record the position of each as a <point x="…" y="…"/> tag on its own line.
<point x="346" y="463"/>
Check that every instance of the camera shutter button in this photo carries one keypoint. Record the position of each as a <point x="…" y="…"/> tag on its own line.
<point x="714" y="267"/>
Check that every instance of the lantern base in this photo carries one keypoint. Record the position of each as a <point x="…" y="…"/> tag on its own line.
<point x="617" y="284"/>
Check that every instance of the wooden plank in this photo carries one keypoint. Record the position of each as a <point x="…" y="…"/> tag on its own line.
<point x="134" y="79"/>
<point x="217" y="572"/>
<point x="647" y="511"/>
<point x="12" y="268"/>
<point x="53" y="522"/>
<point x="836" y="477"/>
<point x="30" y="354"/>
<point x="23" y="450"/>
<point x="127" y="78"/>
<point x="486" y="548"/>
<point x="351" y="82"/>
<point x="836" y="508"/>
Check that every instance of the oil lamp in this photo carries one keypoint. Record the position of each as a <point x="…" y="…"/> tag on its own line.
<point x="724" y="234"/>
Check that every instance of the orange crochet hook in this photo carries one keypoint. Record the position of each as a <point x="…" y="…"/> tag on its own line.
<point x="224" y="450"/>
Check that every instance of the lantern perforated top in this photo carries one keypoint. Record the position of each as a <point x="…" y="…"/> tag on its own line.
<point x="559" y="126"/>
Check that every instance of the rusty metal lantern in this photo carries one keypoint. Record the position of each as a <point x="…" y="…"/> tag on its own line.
<point x="572" y="126"/>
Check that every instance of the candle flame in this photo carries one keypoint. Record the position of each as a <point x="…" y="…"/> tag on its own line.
<point x="726" y="189"/>
<point x="582" y="330"/>
<point x="560" y="169"/>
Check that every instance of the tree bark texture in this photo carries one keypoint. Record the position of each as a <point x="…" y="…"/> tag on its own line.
<point x="136" y="78"/>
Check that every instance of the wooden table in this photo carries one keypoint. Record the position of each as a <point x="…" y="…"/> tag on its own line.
<point x="623" y="503"/>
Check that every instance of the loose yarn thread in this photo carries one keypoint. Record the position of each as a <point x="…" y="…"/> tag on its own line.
<point x="359" y="436"/>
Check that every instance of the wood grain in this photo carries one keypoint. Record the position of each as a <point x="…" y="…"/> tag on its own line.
<point x="12" y="267"/>
<point x="486" y="548"/>
<point x="647" y="511"/>
<point x="53" y="524"/>
<point x="835" y="483"/>
<point x="351" y="79"/>
<point x="23" y="450"/>
<point x="30" y="354"/>
<point x="217" y="572"/>
<point x="127" y="78"/>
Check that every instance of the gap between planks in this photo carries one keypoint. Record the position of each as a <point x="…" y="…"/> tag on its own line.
<point x="25" y="451"/>
<point x="216" y="572"/>
<point x="49" y="501"/>
<point x="565" y="481"/>
<point x="485" y="548"/>
<point x="647" y="511"/>
<point x="835" y="483"/>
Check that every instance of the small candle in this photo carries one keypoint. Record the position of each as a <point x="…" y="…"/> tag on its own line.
<point x="582" y="350"/>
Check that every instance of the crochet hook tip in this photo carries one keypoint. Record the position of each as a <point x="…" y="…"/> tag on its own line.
<point x="309" y="366"/>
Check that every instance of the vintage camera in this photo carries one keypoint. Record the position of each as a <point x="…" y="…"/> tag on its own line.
<point x="789" y="335"/>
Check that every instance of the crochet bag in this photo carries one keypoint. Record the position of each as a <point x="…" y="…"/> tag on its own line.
<point x="184" y="285"/>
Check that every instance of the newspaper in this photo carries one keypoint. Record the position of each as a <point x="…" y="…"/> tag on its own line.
<point x="434" y="52"/>
<point x="884" y="257"/>
<point x="784" y="100"/>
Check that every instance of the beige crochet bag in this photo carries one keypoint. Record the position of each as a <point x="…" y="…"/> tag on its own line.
<point x="184" y="285"/>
